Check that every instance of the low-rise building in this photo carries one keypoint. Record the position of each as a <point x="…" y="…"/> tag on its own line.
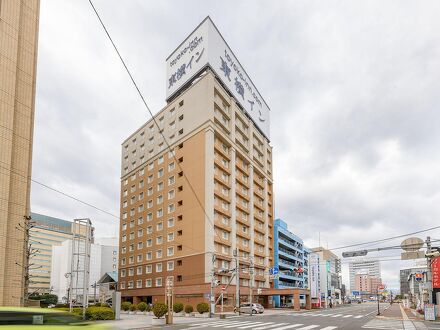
<point x="290" y="258"/>
<point x="103" y="259"/>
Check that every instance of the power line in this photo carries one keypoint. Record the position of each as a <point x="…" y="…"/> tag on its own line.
<point x="384" y="239"/>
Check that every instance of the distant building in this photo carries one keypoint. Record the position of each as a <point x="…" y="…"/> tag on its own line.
<point x="289" y="256"/>
<point x="366" y="284"/>
<point x="46" y="233"/>
<point x="329" y="286"/>
<point x="369" y="267"/>
<point x="409" y="287"/>
<point x="103" y="259"/>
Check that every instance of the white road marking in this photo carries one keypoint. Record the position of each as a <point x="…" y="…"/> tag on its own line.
<point x="358" y="316"/>
<point x="337" y="315"/>
<point x="328" y="328"/>
<point x="289" y="326"/>
<point x="345" y="316"/>
<point x="313" y="326"/>
<point x="242" y="324"/>
<point x="250" y="325"/>
<point x="270" y="326"/>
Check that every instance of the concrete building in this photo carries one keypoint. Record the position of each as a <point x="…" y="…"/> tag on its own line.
<point x="46" y="233"/>
<point x="290" y="259"/>
<point x="207" y="195"/>
<point x="367" y="285"/>
<point x="18" y="53"/>
<point x="329" y="286"/>
<point x="369" y="267"/>
<point x="103" y="259"/>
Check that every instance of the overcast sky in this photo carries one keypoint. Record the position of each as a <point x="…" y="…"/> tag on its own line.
<point x="353" y="89"/>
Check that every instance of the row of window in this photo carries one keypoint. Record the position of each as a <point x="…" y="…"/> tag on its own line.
<point x="148" y="269"/>
<point x="149" y="255"/>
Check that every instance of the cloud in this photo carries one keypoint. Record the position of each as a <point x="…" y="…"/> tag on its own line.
<point x="352" y="87"/>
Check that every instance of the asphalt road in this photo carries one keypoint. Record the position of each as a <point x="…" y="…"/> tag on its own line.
<point x="348" y="317"/>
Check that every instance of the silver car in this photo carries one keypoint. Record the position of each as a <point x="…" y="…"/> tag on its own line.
<point x="248" y="308"/>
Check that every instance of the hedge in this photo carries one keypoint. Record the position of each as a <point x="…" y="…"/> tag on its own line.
<point x="142" y="306"/>
<point x="160" y="309"/>
<point x="202" y="307"/>
<point x="178" y="307"/>
<point x="100" y="313"/>
<point x="188" y="309"/>
<point x="126" y="305"/>
<point x="133" y="307"/>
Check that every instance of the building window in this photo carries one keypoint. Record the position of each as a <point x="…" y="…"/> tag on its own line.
<point x="159" y="240"/>
<point x="149" y="255"/>
<point x="130" y="272"/>
<point x="123" y="272"/>
<point x="160" y="173"/>
<point x="159" y="226"/>
<point x="170" y="237"/>
<point x="159" y="254"/>
<point x="171" y="194"/>
<point x="170" y="265"/>
<point x="171" y="167"/>
<point x="159" y="267"/>
<point x="148" y="283"/>
<point x="170" y="208"/>
<point x="160" y="160"/>
<point x="149" y="242"/>
<point x="170" y="251"/>
<point x="159" y="213"/>
<point x="139" y="284"/>
<point x="170" y="222"/>
<point x="159" y="281"/>
<point x="139" y="270"/>
<point x="122" y="285"/>
<point x="148" y="269"/>
<point x="171" y="180"/>
<point x="159" y="199"/>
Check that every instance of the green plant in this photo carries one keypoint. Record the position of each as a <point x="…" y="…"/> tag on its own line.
<point x="133" y="308"/>
<point x="178" y="307"/>
<point x="105" y="305"/>
<point x="148" y="309"/>
<point x="45" y="299"/>
<point x="160" y="309"/>
<point x="99" y="313"/>
<point x="142" y="306"/>
<point x="202" y="307"/>
<point x="126" y="306"/>
<point x="188" y="309"/>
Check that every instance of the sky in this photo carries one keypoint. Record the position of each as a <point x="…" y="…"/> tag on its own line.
<point x="353" y="89"/>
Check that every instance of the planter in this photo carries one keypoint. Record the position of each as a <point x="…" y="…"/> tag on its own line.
<point x="178" y="314"/>
<point x="150" y="314"/>
<point x="155" y="321"/>
<point x="204" y="315"/>
<point x="188" y="314"/>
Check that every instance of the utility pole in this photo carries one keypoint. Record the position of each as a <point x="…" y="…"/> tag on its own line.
<point x="428" y="264"/>
<point x="211" y="297"/>
<point x="237" y="281"/>
<point x="251" y="280"/>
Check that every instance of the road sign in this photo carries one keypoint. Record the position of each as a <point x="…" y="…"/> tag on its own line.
<point x="419" y="277"/>
<point x="429" y="312"/>
<point x="355" y="254"/>
<point x="435" y="268"/>
<point x="273" y="271"/>
<point x="355" y="293"/>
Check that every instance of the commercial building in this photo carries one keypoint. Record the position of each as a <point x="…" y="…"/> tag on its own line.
<point x="45" y="233"/>
<point x="103" y="259"/>
<point x="367" y="285"/>
<point x="186" y="208"/>
<point x="325" y="282"/>
<point x="290" y="259"/>
<point x="369" y="267"/>
<point x="18" y="54"/>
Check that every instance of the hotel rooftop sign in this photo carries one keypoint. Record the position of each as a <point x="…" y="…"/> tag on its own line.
<point x="206" y="47"/>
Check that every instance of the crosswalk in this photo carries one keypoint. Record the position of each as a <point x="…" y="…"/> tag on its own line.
<point x="254" y="325"/>
<point x="329" y="315"/>
<point x="386" y="324"/>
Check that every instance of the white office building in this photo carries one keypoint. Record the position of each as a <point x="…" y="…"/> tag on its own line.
<point x="367" y="267"/>
<point x="103" y="259"/>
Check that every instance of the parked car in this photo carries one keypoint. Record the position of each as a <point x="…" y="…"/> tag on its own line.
<point x="248" y="308"/>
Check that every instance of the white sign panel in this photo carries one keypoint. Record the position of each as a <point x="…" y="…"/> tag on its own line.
<point x="205" y="46"/>
<point x="314" y="274"/>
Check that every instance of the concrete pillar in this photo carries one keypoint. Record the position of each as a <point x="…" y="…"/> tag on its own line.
<point x="308" y="302"/>
<point x="296" y="304"/>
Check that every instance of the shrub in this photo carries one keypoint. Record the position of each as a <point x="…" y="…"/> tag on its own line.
<point x="105" y="305"/>
<point x="45" y="299"/>
<point x="98" y="304"/>
<point x="62" y="306"/>
<point x="148" y="309"/>
<point x="202" y="307"/>
<point x="178" y="307"/>
<point x="142" y="306"/>
<point x="133" y="307"/>
<point x="160" y="309"/>
<point x="126" y="305"/>
<point x="188" y="309"/>
<point x="99" y="313"/>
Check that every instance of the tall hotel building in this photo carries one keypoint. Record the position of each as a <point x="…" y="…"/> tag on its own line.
<point x="18" y="63"/>
<point x="187" y="208"/>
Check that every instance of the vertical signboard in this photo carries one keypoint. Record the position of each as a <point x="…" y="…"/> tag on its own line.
<point x="314" y="275"/>
<point x="435" y="268"/>
<point x="206" y="47"/>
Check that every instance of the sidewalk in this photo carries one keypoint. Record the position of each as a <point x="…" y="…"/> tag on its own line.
<point x="397" y="311"/>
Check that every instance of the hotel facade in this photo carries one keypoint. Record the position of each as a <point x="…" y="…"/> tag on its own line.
<point x="196" y="182"/>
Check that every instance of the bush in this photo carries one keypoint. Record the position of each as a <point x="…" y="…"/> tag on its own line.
<point x="188" y="309"/>
<point x="178" y="307"/>
<point x="99" y="313"/>
<point x="202" y="307"/>
<point x="142" y="306"/>
<point x="62" y="306"/>
<point x="98" y="304"/>
<point x="160" y="309"/>
<point x="105" y="305"/>
<point x="45" y="299"/>
<point x="148" y="309"/>
<point x="133" y="307"/>
<point x="126" y="306"/>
